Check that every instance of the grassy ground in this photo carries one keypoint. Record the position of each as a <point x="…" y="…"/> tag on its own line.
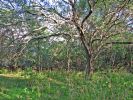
<point x="61" y="85"/>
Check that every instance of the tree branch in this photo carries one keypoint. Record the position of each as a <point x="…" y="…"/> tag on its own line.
<point x="52" y="35"/>
<point x="87" y="16"/>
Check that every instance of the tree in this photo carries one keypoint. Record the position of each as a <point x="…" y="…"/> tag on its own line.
<point x="95" y="22"/>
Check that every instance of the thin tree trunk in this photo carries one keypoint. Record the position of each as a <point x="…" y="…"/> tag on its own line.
<point x="87" y="47"/>
<point x="89" y="68"/>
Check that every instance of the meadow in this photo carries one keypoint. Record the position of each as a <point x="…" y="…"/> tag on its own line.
<point x="63" y="85"/>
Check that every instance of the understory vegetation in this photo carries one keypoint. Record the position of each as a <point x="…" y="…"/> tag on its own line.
<point x="58" y="85"/>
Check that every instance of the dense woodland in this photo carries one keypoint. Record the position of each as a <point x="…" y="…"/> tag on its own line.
<point x="66" y="34"/>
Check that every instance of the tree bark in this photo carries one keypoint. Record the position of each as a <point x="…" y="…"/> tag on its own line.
<point x="89" y="68"/>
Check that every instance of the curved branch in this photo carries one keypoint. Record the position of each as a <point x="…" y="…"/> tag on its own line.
<point x="87" y="16"/>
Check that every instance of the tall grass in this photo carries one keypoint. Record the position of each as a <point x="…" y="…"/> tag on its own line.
<point x="62" y="85"/>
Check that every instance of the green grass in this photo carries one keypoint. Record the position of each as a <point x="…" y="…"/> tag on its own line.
<point x="61" y="85"/>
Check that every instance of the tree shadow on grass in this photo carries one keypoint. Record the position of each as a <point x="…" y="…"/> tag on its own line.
<point x="13" y="88"/>
<point x="11" y="82"/>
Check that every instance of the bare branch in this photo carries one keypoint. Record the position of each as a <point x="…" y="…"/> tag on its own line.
<point x="52" y="35"/>
<point x="117" y="11"/>
<point x="66" y="2"/>
<point x="87" y="16"/>
<point x="60" y="15"/>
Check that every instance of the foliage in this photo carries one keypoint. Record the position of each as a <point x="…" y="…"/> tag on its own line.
<point x="58" y="85"/>
<point x="65" y="33"/>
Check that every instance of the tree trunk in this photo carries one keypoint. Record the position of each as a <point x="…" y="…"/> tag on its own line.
<point x="89" y="68"/>
<point x="87" y="46"/>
